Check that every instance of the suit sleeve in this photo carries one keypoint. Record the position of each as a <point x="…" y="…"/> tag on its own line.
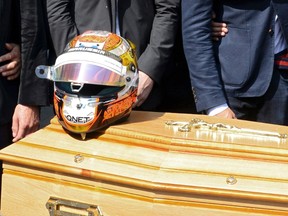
<point x="34" y="51"/>
<point x="198" y="48"/>
<point x="154" y="60"/>
<point x="61" y="23"/>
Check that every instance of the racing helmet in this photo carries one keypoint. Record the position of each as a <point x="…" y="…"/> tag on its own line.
<point x="95" y="81"/>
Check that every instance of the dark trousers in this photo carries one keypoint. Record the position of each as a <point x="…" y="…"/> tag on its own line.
<point x="5" y="135"/>
<point x="269" y="108"/>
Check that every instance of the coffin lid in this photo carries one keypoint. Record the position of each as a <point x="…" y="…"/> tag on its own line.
<point x="144" y="152"/>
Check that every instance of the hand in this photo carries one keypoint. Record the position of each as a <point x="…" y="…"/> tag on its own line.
<point x="144" y="88"/>
<point x="11" y="70"/>
<point x="218" y="29"/>
<point x="26" y="120"/>
<point x="227" y="113"/>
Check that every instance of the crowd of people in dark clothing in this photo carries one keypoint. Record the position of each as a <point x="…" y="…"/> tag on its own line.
<point x="223" y="58"/>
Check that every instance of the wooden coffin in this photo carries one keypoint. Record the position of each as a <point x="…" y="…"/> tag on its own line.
<point x="146" y="166"/>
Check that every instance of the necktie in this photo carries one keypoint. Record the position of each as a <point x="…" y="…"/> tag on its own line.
<point x="113" y="13"/>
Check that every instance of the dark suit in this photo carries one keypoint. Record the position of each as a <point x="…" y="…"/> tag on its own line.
<point x="36" y="50"/>
<point x="33" y="35"/>
<point x="10" y="32"/>
<point x="150" y="24"/>
<point x="239" y="69"/>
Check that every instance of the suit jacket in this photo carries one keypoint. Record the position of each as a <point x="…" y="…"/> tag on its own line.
<point x="10" y="32"/>
<point x="241" y="63"/>
<point x="150" y="24"/>
<point x="35" y="50"/>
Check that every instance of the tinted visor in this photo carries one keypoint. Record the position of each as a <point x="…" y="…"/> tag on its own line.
<point x="89" y="90"/>
<point x="88" y="73"/>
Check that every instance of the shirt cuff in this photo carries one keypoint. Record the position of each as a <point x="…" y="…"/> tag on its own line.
<point x="215" y="110"/>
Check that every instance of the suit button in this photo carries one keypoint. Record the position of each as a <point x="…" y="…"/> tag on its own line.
<point x="271" y="32"/>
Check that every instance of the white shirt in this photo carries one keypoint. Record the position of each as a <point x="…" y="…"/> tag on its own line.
<point x="280" y="43"/>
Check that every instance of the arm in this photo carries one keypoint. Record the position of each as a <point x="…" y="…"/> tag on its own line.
<point x="154" y="60"/>
<point x="219" y="30"/>
<point x="33" y="92"/>
<point x="198" y="48"/>
<point x="61" y="23"/>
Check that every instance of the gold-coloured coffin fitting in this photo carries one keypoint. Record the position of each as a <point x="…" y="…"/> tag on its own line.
<point x="61" y="207"/>
<point x="200" y="124"/>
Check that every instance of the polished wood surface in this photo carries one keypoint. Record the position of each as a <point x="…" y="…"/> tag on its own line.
<point x="151" y="168"/>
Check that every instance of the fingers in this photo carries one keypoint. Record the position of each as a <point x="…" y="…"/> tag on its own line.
<point x="14" y="52"/>
<point x="11" y="70"/>
<point x="220" y="30"/>
<point x="10" y="46"/>
<point x="21" y="132"/>
<point x="19" y="135"/>
<point x="140" y="99"/>
<point x="8" y="56"/>
<point x="144" y="88"/>
<point x="25" y="121"/>
<point x="227" y="113"/>
<point x="13" y="75"/>
<point x="15" y="128"/>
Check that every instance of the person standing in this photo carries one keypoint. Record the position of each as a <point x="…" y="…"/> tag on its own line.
<point x="240" y="75"/>
<point x="151" y="25"/>
<point x="35" y="47"/>
<point x="10" y="63"/>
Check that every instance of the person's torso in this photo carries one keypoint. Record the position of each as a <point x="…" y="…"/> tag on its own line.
<point x="8" y="89"/>
<point x="246" y="53"/>
<point x="135" y="18"/>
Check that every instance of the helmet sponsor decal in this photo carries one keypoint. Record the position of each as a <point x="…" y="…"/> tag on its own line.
<point x="119" y="107"/>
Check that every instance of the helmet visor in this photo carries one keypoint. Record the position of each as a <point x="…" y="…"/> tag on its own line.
<point x="88" y="73"/>
<point x="85" y="67"/>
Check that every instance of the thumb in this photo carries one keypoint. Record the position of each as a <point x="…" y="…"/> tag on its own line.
<point x="15" y="126"/>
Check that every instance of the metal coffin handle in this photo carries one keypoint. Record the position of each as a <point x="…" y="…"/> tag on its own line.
<point x="61" y="207"/>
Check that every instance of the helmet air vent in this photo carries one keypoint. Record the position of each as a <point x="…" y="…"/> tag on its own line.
<point x="76" y="87"/>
